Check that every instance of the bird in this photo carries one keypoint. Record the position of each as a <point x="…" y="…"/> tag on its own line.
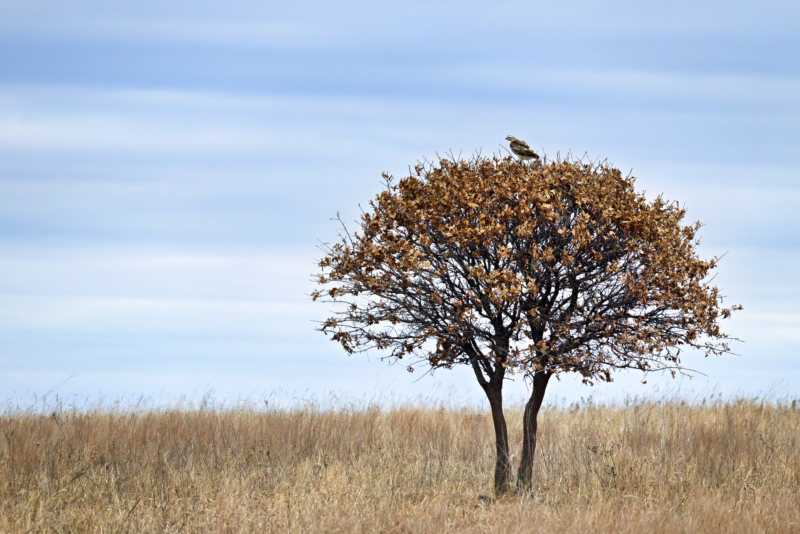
<point x="521" y="149"/>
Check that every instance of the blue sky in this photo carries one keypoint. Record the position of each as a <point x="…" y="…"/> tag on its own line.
<point x="166" y="171"/>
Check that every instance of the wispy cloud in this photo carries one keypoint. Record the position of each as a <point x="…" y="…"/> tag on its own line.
<point x="166" y="169"/>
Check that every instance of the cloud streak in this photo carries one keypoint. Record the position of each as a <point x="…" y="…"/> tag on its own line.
<point x="166" y="170"/>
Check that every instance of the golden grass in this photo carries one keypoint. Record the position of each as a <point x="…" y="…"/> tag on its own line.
<point x="645" y="467"/>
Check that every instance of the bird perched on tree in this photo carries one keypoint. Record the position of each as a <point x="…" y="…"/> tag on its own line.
<point x="521" y="149"/>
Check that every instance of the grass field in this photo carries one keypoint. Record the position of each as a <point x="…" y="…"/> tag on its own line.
<point x="641" y="467"/>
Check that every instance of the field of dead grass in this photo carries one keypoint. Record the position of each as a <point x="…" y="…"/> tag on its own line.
<point x="654" y="467"/>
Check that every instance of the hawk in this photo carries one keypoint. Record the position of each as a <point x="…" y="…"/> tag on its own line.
<point x="521" y="149"/>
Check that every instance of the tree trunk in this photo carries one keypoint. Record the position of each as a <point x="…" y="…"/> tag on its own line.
<point x="502" y="467"/>
<point x="529" y="425"/>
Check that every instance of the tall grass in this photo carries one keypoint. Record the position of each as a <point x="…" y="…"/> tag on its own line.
<point x="642" y="467"/>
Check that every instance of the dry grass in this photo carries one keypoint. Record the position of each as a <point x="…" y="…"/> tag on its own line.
<point x="645" y="467"/>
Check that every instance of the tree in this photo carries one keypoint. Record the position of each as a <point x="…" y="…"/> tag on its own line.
<point x="514" y="268"/>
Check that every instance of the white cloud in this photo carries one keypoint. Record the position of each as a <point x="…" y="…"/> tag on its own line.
<point x="676" y="116"/>
<point x="257" y="295"/>
<point x="261" y="120"/>
<point x="347" y="24"/>
<point x="119" y="272"/>
<point x="152" y="315"/>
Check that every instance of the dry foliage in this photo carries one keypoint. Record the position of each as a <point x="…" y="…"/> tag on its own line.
<point x="556" y="267"/>
<point x="508" y="267"/>
<point x="644" y="467"/>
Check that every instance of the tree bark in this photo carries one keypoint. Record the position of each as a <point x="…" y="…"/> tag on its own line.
<point x="529" y="427"/>
<point x="502" y="467"/>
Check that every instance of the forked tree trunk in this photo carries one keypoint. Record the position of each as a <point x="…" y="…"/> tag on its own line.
<point x="502" y="467"/>
<point x="529" y="427"/>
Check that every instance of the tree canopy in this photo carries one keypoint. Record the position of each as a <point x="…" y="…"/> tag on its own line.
<point x="509" y="267"/>
<point x="561" y="267"/>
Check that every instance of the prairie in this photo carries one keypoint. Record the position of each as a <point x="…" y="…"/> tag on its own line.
<point x="642" y="466"/>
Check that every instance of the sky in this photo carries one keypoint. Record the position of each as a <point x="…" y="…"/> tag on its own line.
<point x="167" y="170"/>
